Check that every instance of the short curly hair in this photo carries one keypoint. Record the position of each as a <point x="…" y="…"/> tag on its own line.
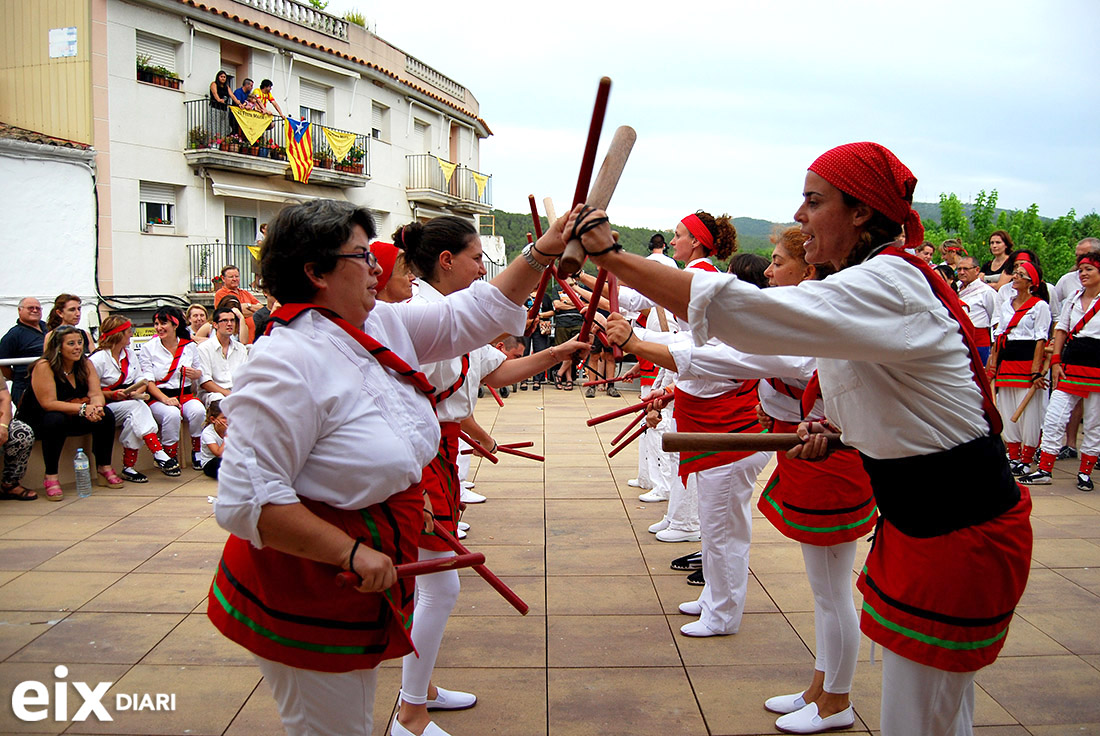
<point x="312" y="232"/>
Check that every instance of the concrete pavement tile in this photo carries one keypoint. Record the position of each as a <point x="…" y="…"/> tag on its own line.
<point x="101" y="638"/>
<point x="206" y="530"/>
<point x="506" y="489"/>
<point x="55" y="591"/>
<point x="581" y="489"/>
<point x="769" y="558"/>
<point x="19" y="628"/>
<point x="1044" y="506"/>
<point x="1043" y="529"/>
<point x="1084" y="524"/>
<point x="583" y="702"/>
<point x="1057" y="553"/>
<point x="1073" y="628"/>
<point x="1067" y="694"/>
<point x="674" y="590"/>
<point x="117" y="506"/>
<point x="189" y="557"/>
<point x="1087" y="577"/>
<point x="93" y="556"/>
<point x="1026" y="640"/>
<point x="578" y="595"/>
<point x="583" y="510"/>
<point x="27" y="554"/>
<point x="60" y="527"/>
<point x="259" y="714"/>
<point x="182" y="506"/>
<point x="509" y="701"/>
<point x="610" y="641"/>
<point x="593" y="531"/>
<point x="147" y="527"/>
<point x="8" y="523"/>
<point x="1077" y="729"/>
<point x="501" y="641"/>
<point x="586" y="559"/>
<point x="1048" y="589"/>
<point x="195" y="641"/>
<point x="505" y="560"/>
<point x="764" y="638"/>
<point x="152" y="593"/>
<point x="478" y="598"/>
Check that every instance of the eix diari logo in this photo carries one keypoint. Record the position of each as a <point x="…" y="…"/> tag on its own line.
<point x="30" y="700"/>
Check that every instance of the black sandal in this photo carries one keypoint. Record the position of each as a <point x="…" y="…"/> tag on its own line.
<point x="557" y="381"/>
<point x="9" y="493"/>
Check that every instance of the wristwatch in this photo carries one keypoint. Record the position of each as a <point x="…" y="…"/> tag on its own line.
<point x="530" y="258"/>
<point x="83" y="409"/>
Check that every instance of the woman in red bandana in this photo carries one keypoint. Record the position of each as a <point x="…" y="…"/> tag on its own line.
<point x="900" y="375"/>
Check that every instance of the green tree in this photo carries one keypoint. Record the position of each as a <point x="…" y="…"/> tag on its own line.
<point x="953" y="217"/>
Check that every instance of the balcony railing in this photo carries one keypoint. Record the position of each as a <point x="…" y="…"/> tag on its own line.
<point x="426" y="175"/>
<point x="303" y="15"/>
<point x="206" y="260"/>
<point x="208" y="128"/>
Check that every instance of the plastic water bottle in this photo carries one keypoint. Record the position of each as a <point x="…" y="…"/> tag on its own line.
<point x="82" y="470"/>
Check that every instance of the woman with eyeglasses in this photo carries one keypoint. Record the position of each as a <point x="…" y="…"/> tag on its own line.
<point x="65" y="400"/>
<point x="172" y="370"/>
<point x="119" y="372"/>
<point x="66" y="311"/>
<point x="335" y="484"/>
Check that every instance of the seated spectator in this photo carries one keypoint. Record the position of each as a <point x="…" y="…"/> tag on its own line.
<point x="266" y="98"/>
<point x="24" y="340"/>
<point x="170" y="364"/>
<point x="242" y="92"/>
<point x="925" y="252"/>
<point x="65" y="400"/>
<point x="213" y="439"/>
<point x="17" y="439"/>
<point x="198" y="323"/>
<point x="249" y="305"/>
<point x="66" y="311"/>
<point x="116" y="363"/>
<point x="221" y="357"/>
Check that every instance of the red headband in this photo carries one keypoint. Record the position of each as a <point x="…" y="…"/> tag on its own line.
<point x="386" y="253"/>
<point x="121" y="328"/>
<point x="700" y="232"/>
<point x="1029" y="269"/>
<point x="873" y="175"/>
<point x="1023" y="256"/>
<point x="1092" y="258"/>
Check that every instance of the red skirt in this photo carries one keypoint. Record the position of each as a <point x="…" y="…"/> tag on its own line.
<point x="1080" y="380"/>
<point x="289" y="609"/>
<point x="440" y="480"/>
<point x="946" y="601"/>
<point x="821" y="503"/>
<point x="648" y="372"/>
<point x="733" y="412"/>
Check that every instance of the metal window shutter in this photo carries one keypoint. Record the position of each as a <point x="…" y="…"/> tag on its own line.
<point x="157" y="193"/>
<point x="312" y="95"/>
<point x="377" y="112"/>
<point x="161" y="51"/>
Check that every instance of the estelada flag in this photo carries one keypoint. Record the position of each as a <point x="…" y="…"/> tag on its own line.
<point x="299" y="149"/>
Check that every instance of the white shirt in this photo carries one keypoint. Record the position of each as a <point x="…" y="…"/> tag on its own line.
<point x="155" y="361"/>
<point x="109" y="371"/>
<point x="631" y="300"/>
<point x="337" y="427"/>
<point x="222" y="366"/>
<point x="661" y="258"/>
<point x="1034" y="325"/>
<point x="443" y="374"/>
<point x="1067" y="286"/>
<point x="894" y="370"/>
<point x="210" y="436"/>
<point x="1008" y="292"/>
<point x="982" y="305"/>
<point x="1072" y="313"/>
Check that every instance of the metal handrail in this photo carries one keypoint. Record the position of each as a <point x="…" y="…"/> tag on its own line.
<point x="206" y="260"/>
<point x="426" y="173"/>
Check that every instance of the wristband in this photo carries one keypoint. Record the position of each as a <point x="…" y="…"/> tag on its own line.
<point x="1055" y="359"/>
<point x="622" y="345"/>
<point x="351" y="557"/>
<point x="535" y="247"/>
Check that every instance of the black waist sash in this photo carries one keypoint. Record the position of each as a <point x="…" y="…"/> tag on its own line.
<point x="1082" y="351"/>
<point x="930" y="495"/>
<point x="1017" y="350"/>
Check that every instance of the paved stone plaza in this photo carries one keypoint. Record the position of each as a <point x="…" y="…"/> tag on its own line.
<point x="114" y="586"/>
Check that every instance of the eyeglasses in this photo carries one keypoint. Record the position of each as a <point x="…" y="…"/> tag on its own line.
<point x="368" y="257"/>
<point x="227" y="321"/>
<point x="32" y="309"/>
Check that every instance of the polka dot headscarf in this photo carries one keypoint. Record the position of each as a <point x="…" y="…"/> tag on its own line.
<point x="386" y="253"/>
<point x="873" y="175"/>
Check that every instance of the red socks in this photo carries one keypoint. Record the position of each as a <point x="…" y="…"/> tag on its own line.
<point x="1088" y="462"/>
<point x="1013" y="450"/>
<point x="129" y="457"/>
<point x="1046" y="461"/>
<point x="196" y="444"/>
<point x="152" y="442"/>
<point x="1027" y="454"/>
<point x="172" y="450"/>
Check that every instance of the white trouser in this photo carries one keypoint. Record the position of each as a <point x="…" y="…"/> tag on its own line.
<point x="168" y="418"/>
<point x="663" y="466"/>
<point x="725" y="516"/>
<point x="436" y="595"/>
<point x="136" y="421"/>
<point x="209" y="397"/>
<point x="836" y="626"/>
<point x="322" y="703"/>
<point x="645" y="454"/>
<point x="1026" y="430"/>
<point x="682" y="513"/>
<point x="1054" y="426"/>
<point x="918" y="700"/>
<point x="463" y="461"/>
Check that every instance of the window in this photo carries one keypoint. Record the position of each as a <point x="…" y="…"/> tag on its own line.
<point x="380" y="122"/>
<point x="422" y="135"/>
<point x="312" y="101"/>
<point x="157" y="53"/>
<point x="157" y="204"/>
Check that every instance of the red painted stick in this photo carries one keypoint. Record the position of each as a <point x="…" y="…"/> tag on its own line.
<point x="590" y="313"/>
<point x="628" y="440"/>
<point x="588" y="161"/>
<point x="632" y="425"/>
<point x="602" y="381"/>
<point x="535" y="216"/>
<point x="478" y="448"/>
<point x="510" y="446"/>
<point x="530" y="239"/>
<point x="644" y="404"/>
<point x="496" y="396"/>
<point x="421" y="567"/>
<point x="536" y="306"/>
<point x="498" y="585"/>
<point x="520" y="453"/>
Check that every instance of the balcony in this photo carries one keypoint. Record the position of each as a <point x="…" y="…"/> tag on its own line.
<point x="304" y="15"/>
<point x="212" y="145"/>
<point x="428" y="185"/>
<point x="206" y="260"/>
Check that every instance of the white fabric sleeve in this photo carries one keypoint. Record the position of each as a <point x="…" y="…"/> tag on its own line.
<point x="718" y="362"/>
<point x="460" y="322"/>
<point x="145" y="363"/>
<point x="633" y="300"/>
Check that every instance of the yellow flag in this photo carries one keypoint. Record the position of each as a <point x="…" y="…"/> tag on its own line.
<point x="340" y="142"/>
<point x="253" y="124"/>
<point x="255" y="251"/>
<point x="448" y="168"/>
<point x="481" y="180"/>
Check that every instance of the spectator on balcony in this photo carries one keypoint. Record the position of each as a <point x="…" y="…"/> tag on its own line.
<point x="231" y="286"/>
<point x="24" y="340"/>
<point x="66" y="311"/>
<point x="242" y="92"/>
<point x="221" y="357"/>
<point x="265" y="97"/>
<point x="198" y="323"/>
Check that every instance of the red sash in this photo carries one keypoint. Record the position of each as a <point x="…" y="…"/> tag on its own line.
<point x="1016" y="317"/>
<point x="124" y="368"/>
<point x="175" y="362"/>
<point x="440" y="480"/>
<point x="1088" y="315"/>
<point x="732" y="412"/>
<point x="703" y="266"/>
<point x="810" y="395"/>
<point x="786" y="389"/>
<point x="449" y="392"/>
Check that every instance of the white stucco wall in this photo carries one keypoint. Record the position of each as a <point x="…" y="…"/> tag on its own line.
<point x="48" y="212"/>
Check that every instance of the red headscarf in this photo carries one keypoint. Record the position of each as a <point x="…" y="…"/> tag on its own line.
<point x="1029" y="268"/>
<point x="386" y="253"/>
<point x="873" y="175"/>
<point x="699" y="231"/>
<point x="1091" y="258"/>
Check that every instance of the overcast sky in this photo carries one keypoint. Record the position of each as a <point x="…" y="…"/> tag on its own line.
<point x="733" y="100"/>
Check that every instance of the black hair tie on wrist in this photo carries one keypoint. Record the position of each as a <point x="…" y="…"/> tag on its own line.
<point x="585" y="224"/>
<point x="351" y="557"/>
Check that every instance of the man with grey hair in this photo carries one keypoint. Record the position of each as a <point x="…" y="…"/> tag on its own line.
<point x="24" y="340"/>
<point x="980" y="300"/>
<point x="1068" y="285"/>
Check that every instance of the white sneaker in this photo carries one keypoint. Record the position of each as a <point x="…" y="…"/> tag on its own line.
<point x="459" y="534"/>
<point x="468" y="484"/>
<point x="786" y="703"/>
<point x="471" y="497"/>
<point x="463" y="526"/>
<point x="431" y="730"/>
<point x="693" y="608"/>
<point x="653" y="497"/>
<point x="660" y="526"/>
<point x="806" y="720"/>
<point x="675" y="535"/>
<point x="452" y="700"/>
<point x="699" y="629"/>
<point x="637" y="483"/>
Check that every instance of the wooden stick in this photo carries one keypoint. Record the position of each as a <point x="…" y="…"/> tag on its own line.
<point x="421" y="567"/>
<point x="496" y="396"/>
<point x="497" y="584"/>
<point x="644" y="403"/>
<point x="632" y="425"/>
<point x="520" y="453"/>
<point x="1030" y="392"/>
<point x="517" y="445"/>
<point x="478" y="448"/>
<point x="602" y="189"/>
<point x="766" y="442"/>
<point x="548" y="205"/>
<point x="602" y="381"/>
<point x="627" y="441"/>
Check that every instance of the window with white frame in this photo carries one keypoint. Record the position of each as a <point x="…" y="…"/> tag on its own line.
<point x="380" y="122"/>
<point x="312" y="101"/>
<point x="156" y="52"/>
<point x="157" y="204"/>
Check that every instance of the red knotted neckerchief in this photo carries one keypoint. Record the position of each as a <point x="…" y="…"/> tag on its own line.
<point x="175" y="362"/>
<point x="288" y="312"/>
<point x="124" y="367"/>
<point x="1088" y="315"/>
<point x="1016" y="317"/>
<point x="951" y="301"/>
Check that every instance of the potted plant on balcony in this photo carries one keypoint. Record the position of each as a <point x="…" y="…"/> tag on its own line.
<point x="199" y="137"/>
<point x="144" y="68"/>
<point x="276" y="152"/>
<point x="234" y="142"/>
<point x="158" y="75"/>
<point x="355" y="160"/>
